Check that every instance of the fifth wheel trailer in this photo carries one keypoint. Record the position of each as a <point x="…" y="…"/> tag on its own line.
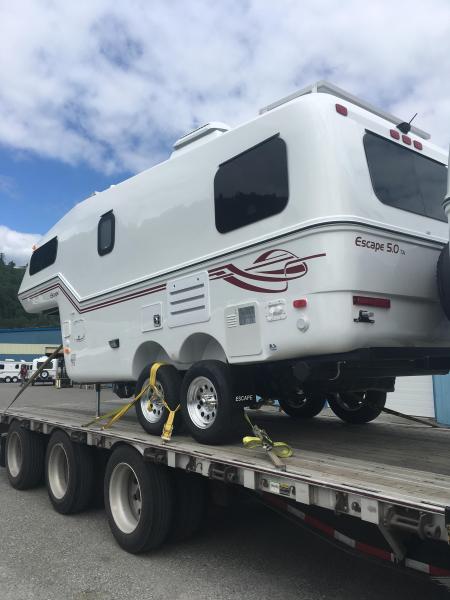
<point x="293" y="257"/>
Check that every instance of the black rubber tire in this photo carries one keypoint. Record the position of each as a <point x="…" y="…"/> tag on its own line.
<point x="170" y="380"/>
<point x="157" y="497"/>
<point x="31" y="470"/>
<point x="312" y="406"/>
<point x="370" y="409"/>
<point x="190" y="504"/>
<point x="443" y="279"/>
<point x="80" y="475"/>
<point x="44" y="375"/>
<point x="14" y="379"/>
<point x="101" y="458"/>
<point x="7" y="380"/>
<point x="228" y="422"/>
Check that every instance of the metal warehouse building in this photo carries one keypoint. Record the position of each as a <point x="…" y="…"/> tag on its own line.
<point x="29" y="342"/>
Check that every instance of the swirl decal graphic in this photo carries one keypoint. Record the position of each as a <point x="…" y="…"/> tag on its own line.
<point x="269" y="273"/>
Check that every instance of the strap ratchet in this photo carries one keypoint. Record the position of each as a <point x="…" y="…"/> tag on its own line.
<point x="275" y="450"/>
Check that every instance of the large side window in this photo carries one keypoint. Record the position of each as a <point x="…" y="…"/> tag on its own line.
<point x="251" y="186"/>
<point x="404" y="178"/>
<point x="44" y="256"/>
<point x="106" y="233"/>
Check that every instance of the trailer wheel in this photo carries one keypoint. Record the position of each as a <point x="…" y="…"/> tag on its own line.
<point x="190" y="504"/>
<point x="24" y="457"/>
<point x="357" y="407"/>
<point x="7" y="380"/>
<point x="44" y="375"/>
<point x="69" y="474"/>
<point x="207" y="403"/>
<point x="152" y="415"/>
<point x="300" y="406"/>
<point x="139" y="501"/>
<point x="14" y="379"/>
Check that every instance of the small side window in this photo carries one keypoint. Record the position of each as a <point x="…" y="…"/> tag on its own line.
<point x="106" y="233"/>
<point x="44" y="256"/>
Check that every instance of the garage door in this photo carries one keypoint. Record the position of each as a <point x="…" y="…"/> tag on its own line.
<point x="413" y="396"/>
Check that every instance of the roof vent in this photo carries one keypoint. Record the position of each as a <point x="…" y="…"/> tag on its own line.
<point x="214" y="129"/>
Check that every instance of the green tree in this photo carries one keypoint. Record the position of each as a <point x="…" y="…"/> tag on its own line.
<point x="11" y="311"/>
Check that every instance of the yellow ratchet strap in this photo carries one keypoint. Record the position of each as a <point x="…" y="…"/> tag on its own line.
<point x="166" y="435"/>
<point x="116" y="414"/>
<point x="275" y="450"/>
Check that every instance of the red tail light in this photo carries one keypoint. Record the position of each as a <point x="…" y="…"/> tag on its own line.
<point x="406" y="140"/>
<point x="301" y="303"/>
<point x="395" y="134"/>
<point x="369" y="301"/>
<point x="342" y="110"/>
<point x="417" y="145"/>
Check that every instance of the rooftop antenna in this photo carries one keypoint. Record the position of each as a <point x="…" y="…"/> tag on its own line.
<point x="406" y="127"/>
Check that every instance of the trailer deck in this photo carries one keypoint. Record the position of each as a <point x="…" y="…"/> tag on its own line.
<point x="389" y="472"/>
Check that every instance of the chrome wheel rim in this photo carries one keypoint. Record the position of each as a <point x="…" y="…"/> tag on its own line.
<point x="125" y="497"/>
<point x="150" y="399"/>
<point x="14" y="453"/>
<point x="202" y="402"/>
<point x="58" y="471"/>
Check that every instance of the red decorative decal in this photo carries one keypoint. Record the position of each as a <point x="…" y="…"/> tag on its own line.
<point x="270" y="272"/>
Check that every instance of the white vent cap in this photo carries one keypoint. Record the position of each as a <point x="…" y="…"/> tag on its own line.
<point x="200" y="132"/>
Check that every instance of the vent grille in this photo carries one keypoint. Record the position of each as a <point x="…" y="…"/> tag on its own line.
<point x="232" y="320"/>
<point x="188" y="300"/>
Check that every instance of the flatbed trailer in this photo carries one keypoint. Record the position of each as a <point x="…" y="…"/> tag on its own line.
<point x="391" y="477"/>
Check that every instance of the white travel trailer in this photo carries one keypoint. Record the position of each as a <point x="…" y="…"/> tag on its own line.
<point x="292" y="257"/>
<point x="10" y="370"/>
<point x="48" y="374"/>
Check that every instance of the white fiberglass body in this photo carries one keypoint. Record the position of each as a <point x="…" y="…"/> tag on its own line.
<point x="10" y="369"/>
<point x="283" y="287"/>
<point x="50" y="370"/>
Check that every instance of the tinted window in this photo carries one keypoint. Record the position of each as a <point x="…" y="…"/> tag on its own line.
<point x="251" y="186"/>
<point x="405" y="179"/>
<point x="106" y="233"/>
<point x="44" y="256"/>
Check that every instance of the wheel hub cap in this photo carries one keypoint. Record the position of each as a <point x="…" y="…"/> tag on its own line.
<point x="202" y="402"/>
<point x="152" y="406"/>
<point x="125" y="497"/>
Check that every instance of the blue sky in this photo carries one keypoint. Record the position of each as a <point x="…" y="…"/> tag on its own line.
<point x="35" y="192"/>
<point x="92" y="92"/>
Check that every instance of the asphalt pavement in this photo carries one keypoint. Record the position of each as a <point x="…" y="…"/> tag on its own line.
<point x="246" y="552"/>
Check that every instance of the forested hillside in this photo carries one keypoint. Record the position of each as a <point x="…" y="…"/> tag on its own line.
<point x="11" y="311"/>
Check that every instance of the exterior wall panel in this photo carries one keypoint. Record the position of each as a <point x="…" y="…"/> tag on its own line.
<point x="28" y="343"/>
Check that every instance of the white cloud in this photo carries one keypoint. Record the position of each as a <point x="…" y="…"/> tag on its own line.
<point x="113" y="84"/>
<point x="17" y="246"/>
